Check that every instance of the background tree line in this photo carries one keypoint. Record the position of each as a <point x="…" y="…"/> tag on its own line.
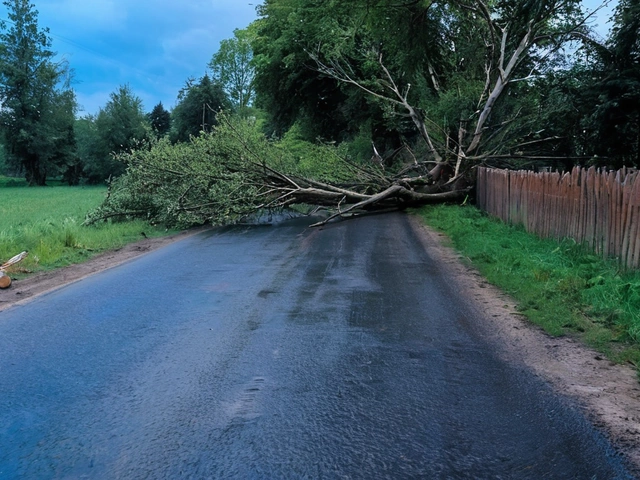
<point x="506" y="82"/>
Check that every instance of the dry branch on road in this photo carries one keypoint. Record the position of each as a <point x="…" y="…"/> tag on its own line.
<point x="5" y="280"/>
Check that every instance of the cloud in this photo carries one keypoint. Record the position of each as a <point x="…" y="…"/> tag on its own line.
<point x="189" y="48"/>
<point x="93" y="15"/>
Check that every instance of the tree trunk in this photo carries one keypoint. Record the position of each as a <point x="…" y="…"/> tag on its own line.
<point x="34" y="174"/>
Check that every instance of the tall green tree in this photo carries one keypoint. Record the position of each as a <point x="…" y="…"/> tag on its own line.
<point x="423" y="43"/>
<point x="37" y="106"/>
<point x="121" y="126"/>
<point x="233" y="66"/>
<point x="197" y="107"/>
<point x="286" y="87"/>
<point x="160" y="120"/>
<point x="63" y="151"/>
<point x="593" y="106"/>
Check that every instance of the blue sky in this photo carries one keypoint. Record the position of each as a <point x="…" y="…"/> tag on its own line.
<point x="601" y="19"/>
<point x="152" y="45"/>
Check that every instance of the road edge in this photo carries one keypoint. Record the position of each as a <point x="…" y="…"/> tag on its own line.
<point x="28" y="289"/>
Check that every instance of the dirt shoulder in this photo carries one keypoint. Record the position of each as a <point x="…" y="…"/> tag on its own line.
<point x="24" y="290"/>
<point x="608" y="393"/>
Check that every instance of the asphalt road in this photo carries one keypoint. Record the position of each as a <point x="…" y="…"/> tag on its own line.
<point x="277" y="352"/>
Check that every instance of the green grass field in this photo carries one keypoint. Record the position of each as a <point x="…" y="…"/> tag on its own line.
<point x="558" y="285"/>
<point x="47" y="221"/>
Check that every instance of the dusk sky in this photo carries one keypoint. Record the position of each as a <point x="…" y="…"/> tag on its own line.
<point x="152" y="45"/>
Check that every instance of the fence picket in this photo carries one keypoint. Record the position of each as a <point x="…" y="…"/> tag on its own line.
<point x="594" y="207"/>
<point x="625" y="230"/>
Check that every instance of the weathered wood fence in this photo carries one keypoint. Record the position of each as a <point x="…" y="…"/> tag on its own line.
<point x="601" y="209"/>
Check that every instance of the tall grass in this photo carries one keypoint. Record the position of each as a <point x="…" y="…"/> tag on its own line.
<point x="47" y="221"/>
<point x="558" y="285"/>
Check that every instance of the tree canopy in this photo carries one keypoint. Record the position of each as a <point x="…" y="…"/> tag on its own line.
<point x="121" y="126"/>
<point x="233" y="67"/>
<point x="617" y="117"/>
<point x="460" y="75"/>
<point x="198" y="104"/>
<point x="160" y="120"/>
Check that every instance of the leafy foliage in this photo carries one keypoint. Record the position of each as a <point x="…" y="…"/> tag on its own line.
<point x="121" y="126"/>
<point x="203" y="191"/>
<point x="466" y="66"/>
<point x="88" y="143"/>
<point x="214" y="178"/>
<point x="188" y="183"/>
<point x="617" y="116"/>
<point x="592" y="107"/>
<point x="287" y="88"/>
<point x="233" y="67"/>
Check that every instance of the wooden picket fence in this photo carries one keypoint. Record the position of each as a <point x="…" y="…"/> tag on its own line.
<point x="595" y="207"/>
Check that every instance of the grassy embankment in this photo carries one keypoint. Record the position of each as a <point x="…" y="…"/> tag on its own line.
<point x="47" y="221"/>
<point x="557" y="284"/>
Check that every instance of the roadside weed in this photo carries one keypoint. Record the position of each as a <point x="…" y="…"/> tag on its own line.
<point x="47" y="222"/>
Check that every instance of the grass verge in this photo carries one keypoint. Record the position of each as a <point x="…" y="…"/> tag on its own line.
<point x="558" y="285"/>
<point x="47" y="221"/>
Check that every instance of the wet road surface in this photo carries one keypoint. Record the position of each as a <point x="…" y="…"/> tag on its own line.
<point x="277" y="352"/>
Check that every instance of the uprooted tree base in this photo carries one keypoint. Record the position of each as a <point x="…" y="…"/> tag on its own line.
<point x="398" y="193"/>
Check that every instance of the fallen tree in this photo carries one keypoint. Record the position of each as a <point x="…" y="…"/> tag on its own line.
<point x="221" y="177"/>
